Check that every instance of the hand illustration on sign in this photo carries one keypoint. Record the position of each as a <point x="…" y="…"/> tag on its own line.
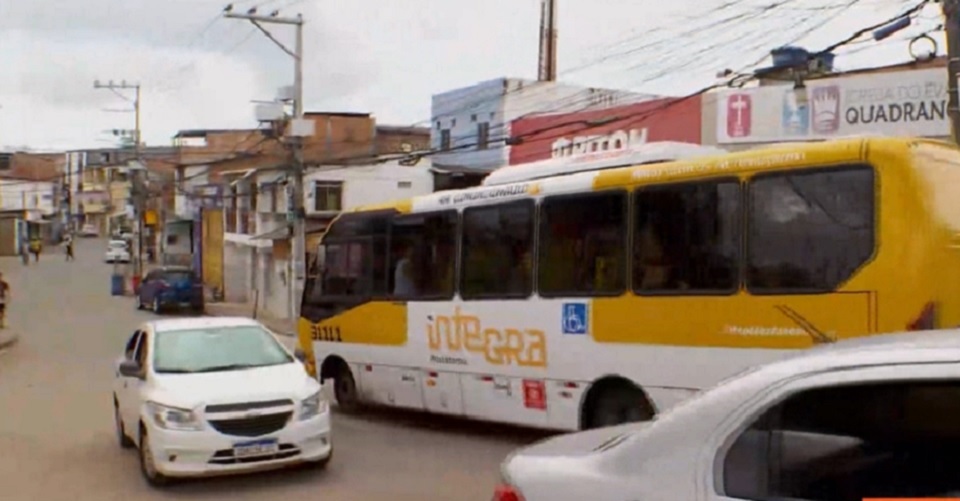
<point x="826" y="109"/>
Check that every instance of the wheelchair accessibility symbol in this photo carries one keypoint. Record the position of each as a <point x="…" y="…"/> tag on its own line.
<point x="575" y="318"/>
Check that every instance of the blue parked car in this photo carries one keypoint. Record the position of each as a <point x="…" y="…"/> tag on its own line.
<point x="170" y="287"/>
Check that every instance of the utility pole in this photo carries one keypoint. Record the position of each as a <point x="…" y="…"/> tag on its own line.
<point x="548" y="41"/>
<point x="951" y="14"/>
<point x="138" y="193"/>
<point x="298" y="248"/>
<point x="68" y="162"/>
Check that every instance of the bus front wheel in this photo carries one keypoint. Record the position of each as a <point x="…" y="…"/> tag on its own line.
<point x="345" y="389"/>
<point x="616" y="402"/>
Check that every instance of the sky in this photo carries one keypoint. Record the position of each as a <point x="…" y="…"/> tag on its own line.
<point x="198" y="69"/>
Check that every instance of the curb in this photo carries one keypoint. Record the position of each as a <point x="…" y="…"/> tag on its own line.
<point x="9" y="343"/>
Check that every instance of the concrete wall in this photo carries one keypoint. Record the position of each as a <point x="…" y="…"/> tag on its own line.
<point x="459" y="111"/>
<point x="9" y="239"/>
<point x="236" y="263"/>
<point x="371" y="184"/>
<point x="17" y="194"/>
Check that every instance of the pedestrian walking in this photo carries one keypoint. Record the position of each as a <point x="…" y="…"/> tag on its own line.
<point x="68" y="244"/>
<point x="35" y="248"/>
<point x="4" y="297"/>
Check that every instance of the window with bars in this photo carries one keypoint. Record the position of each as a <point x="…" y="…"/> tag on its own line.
<point x="445" y="140"/>
<point x="327" y="196"/>
<point x="483" y="135"/>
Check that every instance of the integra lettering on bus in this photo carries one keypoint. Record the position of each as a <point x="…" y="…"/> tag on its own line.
<point x="508" y="346"/>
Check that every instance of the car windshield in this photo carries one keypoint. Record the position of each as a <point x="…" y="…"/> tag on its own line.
<point x="216" y="349"/>
<point x="116" y="244"/>
<point x="178" y="276"/>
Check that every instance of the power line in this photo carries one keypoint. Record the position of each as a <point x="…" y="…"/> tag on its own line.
<point x="804" y="32"/>
<point x="648" y="113"/>
<point x="698" y="31"/>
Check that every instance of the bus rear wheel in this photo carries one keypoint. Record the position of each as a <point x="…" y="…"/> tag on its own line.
<point x="345" y="389"/>
<point x="618" y="404"/>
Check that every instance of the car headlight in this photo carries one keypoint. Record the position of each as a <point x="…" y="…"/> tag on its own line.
<point x="172" y="418"/>
<point x="312" y="406"/>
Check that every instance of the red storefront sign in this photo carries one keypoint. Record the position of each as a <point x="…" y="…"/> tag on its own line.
<point x="567" y="134"/>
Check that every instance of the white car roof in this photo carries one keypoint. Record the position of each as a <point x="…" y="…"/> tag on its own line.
<point x="179" y="324"/>
<point x="898" y="348"/>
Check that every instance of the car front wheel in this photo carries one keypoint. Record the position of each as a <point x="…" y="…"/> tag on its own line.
<point x="148" y="465"/>
<point x="122" y="438"/>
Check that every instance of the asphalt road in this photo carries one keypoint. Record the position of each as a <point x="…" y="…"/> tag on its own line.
<point x="56" y="428"/>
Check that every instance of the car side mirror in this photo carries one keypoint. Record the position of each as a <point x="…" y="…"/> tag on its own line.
<point x="300" y="355"/>
<point x="130" y="368"/>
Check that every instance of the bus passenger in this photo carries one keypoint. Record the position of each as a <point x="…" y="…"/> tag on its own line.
<point x="403" y="280"/>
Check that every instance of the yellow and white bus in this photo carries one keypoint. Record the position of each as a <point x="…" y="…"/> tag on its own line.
<point x="607" y="295"/>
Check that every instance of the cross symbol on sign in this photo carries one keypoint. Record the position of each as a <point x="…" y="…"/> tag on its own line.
<point x="739" y="104"/>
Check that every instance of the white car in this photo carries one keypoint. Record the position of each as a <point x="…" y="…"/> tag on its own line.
<point x="117" y="252"/>
<point x="216" y="395"/>
<point x="871" y="418"/>
<point x="89" y="230"/>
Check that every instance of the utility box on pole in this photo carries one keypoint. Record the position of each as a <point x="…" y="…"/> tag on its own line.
<point x="301" y="128"/>
<point x="269" y="112"/>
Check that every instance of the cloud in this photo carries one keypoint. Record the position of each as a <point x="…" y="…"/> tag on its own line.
<point x="51" y="99"/>
<point x="384" y="57"/>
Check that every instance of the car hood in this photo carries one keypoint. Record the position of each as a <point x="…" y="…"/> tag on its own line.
<point x="189" y="391"/>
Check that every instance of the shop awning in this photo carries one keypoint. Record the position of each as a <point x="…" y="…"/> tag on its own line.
<point x="316" y="227"/>
<point x="277" y="234"/>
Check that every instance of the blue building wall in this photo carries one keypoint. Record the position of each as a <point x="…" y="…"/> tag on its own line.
<point x="461" y="111"/>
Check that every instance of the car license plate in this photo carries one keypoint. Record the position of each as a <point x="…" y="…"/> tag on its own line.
<point x="258" y="448"/>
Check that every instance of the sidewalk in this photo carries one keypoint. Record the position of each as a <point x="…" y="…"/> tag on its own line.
<point x="280" y="326"/>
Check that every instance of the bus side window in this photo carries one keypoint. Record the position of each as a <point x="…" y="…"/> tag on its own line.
<point x="687" y="238"/>
<point x="809" y="230"/>
<point x="423" y="255"/>
<point x="497" y="250"/>
<point x="583" y="245"/>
